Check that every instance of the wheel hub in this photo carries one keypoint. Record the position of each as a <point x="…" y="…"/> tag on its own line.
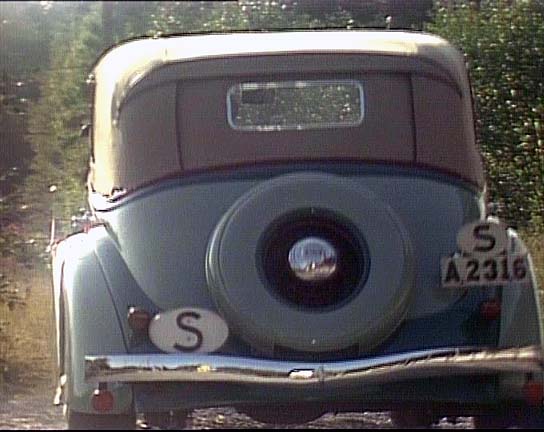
<point x="313" y="259"/>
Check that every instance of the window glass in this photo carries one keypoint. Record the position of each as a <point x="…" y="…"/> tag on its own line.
<point x="295" y="105"/>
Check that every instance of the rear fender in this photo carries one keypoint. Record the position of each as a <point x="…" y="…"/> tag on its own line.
<point x="91" y="320"/>
<point x="521" y="323"/>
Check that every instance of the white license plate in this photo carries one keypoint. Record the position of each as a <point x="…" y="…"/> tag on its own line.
<point x="471" y="271"/>
<point x="188" y="330"/>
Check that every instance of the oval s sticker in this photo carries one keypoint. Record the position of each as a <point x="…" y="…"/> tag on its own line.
<point x="482" y="238"/>
<point x="188" y="330"/>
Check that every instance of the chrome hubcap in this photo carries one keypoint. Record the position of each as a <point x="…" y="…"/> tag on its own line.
<point x="313" y="259"/>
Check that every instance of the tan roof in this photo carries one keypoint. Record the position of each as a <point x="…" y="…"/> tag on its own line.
<point x="124" y="66"/>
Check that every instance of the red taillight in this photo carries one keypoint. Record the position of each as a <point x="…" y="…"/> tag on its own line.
<point x="533" y="393"/>
<point x="138" y="319"/>
<point x="490" y="309"/>
<point x="102" y="400"/>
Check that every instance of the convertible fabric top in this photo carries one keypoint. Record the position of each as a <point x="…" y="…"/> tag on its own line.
<point x="128" y="69"/>
<point x="120" y="69"/>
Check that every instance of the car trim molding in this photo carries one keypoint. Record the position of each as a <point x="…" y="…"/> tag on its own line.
<point x="345" y="167"/>
<point x="378" y="370"/>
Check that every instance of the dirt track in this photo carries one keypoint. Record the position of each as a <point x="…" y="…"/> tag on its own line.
<point x="29" y="410"/>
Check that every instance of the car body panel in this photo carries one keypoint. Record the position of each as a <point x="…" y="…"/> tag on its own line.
<point x="162" y="273"/>
<point x="88" y="311"/>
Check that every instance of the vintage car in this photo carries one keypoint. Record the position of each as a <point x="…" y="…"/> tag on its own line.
<point x="291" y="223"/>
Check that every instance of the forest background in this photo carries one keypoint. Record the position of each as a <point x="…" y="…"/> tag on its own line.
<point x="47" y="50"/>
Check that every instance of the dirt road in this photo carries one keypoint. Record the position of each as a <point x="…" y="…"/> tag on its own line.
<point x="29" y="409"/>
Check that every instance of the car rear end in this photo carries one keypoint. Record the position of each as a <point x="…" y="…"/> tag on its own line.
<point x="280" y="223"/>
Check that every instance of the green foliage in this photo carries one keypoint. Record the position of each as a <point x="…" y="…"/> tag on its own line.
<point x="24" y="31"/>
<point x="504" y="45"/>
<point x="56" y="185"/>
<point x="181" y="17"/>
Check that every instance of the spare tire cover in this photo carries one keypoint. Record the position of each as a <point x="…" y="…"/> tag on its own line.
<point x="264" y="320"/>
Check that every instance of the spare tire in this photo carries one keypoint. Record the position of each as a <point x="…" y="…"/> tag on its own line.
<point x="252" y="301"/>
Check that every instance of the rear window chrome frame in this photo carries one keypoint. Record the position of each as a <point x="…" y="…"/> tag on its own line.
<point x="294" y="84"/>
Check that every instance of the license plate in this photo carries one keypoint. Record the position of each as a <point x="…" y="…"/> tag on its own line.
<point x="477" y="271"/>
<point x="188" y="330"/>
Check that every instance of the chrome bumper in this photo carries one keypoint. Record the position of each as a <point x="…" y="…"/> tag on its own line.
<point x="378" y="370"/>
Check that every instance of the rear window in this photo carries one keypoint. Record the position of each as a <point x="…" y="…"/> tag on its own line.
<point x="295" y="105"/>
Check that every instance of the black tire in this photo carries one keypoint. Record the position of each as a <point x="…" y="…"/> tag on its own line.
<point x="285" y="415"/>
<point x="413" y="419"/>
<point x="490" y="421"/>
<point x="244" y="297"/>
<point x="80" y="421"/>
<point x="164" y="420"/>
<point x="528" y="418"/>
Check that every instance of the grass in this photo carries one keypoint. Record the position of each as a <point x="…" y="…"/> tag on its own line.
<point x="25" y="338"/>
